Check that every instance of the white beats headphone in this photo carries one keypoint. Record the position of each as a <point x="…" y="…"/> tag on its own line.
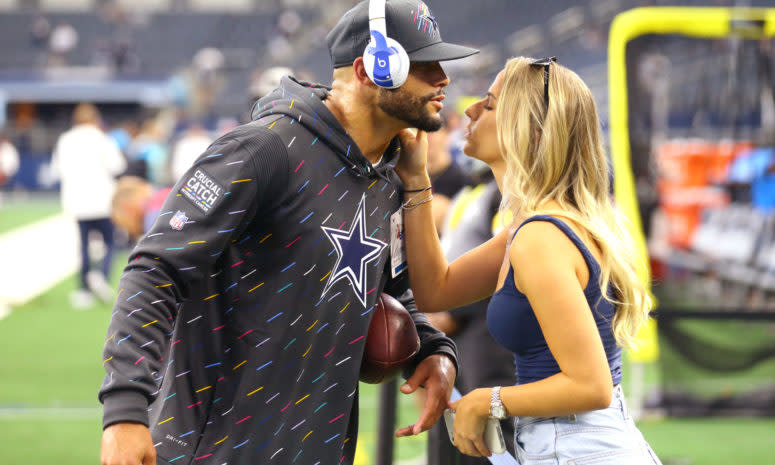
<point x="386" y="61"/>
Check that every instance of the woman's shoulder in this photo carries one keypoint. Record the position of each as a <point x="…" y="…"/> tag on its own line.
<point x="539" y="240"/>
<point x="540" y="255"/>
<point x="550" y="237"/>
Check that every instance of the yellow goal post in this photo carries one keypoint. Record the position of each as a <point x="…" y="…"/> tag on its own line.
<point x="701" y="22"/>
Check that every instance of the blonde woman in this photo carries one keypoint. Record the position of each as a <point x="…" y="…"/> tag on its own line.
<point x="566" y="296"/>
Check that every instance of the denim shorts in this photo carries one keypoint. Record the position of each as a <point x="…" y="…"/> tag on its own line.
<point x="601" y="437"/>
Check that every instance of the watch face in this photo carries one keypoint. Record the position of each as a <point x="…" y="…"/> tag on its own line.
<point x="498" y="412"/>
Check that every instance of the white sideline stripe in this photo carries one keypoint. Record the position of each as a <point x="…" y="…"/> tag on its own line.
<point x="36" y="257"/>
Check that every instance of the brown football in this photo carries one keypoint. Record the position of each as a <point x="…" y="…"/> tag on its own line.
<point x="391" y="341"/>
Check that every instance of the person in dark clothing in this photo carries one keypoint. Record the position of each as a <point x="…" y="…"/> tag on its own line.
<point x="239" y="327"/>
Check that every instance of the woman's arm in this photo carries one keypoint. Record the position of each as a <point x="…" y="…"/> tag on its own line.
<point x="551" y="272"/>
<point x="438" y="285"/>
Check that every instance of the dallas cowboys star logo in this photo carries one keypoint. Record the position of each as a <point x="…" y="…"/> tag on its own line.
<point x="354" y="251"/>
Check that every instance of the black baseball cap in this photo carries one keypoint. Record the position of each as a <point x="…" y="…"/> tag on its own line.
<point x="409" y="22"/>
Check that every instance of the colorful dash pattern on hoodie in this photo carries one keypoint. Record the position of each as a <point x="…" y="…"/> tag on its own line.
<point x="239" y="327"/>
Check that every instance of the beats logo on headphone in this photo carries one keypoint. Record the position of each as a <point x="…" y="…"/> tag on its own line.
<point x="386" y="61"/>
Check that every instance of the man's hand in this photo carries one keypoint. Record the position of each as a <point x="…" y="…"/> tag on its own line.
<point x="127" y="444"/>
<point x="437" y="374"/>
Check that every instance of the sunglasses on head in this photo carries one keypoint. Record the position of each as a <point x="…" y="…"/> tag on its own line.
<point x="545" y="64"/>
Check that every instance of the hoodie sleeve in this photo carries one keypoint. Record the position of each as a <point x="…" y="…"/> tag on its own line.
<point x="232" y="182"/>
<point x="432" y="341"/>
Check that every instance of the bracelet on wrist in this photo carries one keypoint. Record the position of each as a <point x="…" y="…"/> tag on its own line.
<point x="414" y="191"/>
<point x="411" y="205"/>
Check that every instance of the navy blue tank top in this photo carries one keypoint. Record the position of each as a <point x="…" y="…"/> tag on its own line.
<point x="513" y="324"/>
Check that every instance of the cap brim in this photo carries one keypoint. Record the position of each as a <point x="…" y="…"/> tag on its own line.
<point x="441" y="51"/>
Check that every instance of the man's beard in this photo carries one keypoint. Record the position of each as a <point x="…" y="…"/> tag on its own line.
<point x="401" y="105"/>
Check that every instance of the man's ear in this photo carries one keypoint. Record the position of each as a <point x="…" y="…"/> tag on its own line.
<point x="359" y="71"/>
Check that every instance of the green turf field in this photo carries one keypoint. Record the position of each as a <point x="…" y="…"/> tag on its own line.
<point x="50" y="367"/>
<point x="16" y="212"/>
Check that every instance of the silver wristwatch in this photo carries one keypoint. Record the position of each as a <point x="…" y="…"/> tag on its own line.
<point x="497" y="409"/>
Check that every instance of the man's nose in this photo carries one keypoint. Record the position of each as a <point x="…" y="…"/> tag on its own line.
<point x="438" y="78"/>
<point x="443" y="78"/>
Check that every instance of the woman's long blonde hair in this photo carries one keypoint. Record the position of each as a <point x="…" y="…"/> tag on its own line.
<point x="556" y="153"/>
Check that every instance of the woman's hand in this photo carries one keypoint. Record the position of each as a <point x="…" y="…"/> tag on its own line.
<point x="411" y="166"/>
<point x="471" y="413"/>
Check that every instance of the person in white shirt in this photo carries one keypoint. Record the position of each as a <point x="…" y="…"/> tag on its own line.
<point x="188" y="148"/>
<point x="87" y="161"/>
<point x="9" y="160"/>
<point x="62" y="41"/>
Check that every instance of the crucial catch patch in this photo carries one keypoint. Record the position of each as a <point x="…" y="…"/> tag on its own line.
<point x="202" y="190"/>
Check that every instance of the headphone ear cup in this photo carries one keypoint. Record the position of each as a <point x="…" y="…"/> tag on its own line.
<point x="399" y="68"/>
<point x="391" y="61"/>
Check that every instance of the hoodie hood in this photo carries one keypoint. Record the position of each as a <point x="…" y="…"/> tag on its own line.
<point x="303" y="101"/>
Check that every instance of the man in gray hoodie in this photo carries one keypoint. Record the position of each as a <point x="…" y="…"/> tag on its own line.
<point x="238" y="331"/>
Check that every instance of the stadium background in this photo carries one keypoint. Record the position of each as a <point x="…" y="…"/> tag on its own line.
<point x="700" y="112"/>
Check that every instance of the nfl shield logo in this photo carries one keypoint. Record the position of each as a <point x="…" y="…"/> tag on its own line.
<point x="178" y="220"/>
